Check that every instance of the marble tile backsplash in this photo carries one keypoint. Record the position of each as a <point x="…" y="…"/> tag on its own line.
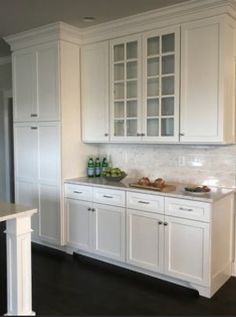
<point x="209" y="165"/>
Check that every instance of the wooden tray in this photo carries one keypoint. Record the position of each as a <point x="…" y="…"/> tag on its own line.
<point x="166" y="189"/>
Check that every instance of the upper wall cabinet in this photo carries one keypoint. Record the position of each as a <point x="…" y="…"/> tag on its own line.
<point x="35" y="84"/>
<point x="208" y="81"/>
<point x="94" y="92"/>
<point x="145" y="87"/>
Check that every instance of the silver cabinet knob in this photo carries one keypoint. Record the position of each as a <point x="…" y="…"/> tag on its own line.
<point x="106" y="134"/>
<point x="139" y="134"/>
<point x="89" y="209"/>
<point x="160" y="223"/>
<point x="165" y="224"/>
<point x="93" y="210"/>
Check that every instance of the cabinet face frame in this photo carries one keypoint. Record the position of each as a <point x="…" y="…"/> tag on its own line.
<point x="113" y="43"/>
<point x="161" y="75"/>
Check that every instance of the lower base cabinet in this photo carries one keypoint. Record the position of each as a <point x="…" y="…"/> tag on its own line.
<point x="185" y="241"/>
<point x="96" y="228"/>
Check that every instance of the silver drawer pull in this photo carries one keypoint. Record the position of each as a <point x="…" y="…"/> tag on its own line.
<point x="75" y="192"/>
<point x="185" y="209"/>
<point x="34" y="128"/>
<point x="33" y="115"/>
<point x="105" y="196"/>
<point x="143" y="202"/>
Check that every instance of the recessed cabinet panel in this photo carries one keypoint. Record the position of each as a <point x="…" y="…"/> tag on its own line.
<point x="95" y="90"/>
<point x="145" y="240"/>
<point x="109" y="231"/>
<point x="187" y="250"/>
<point x="25" y="86"/>
<point x="78" y="221"/>
<point x="47" y="79"/>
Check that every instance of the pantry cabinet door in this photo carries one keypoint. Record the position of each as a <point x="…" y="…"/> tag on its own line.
<point x="125" y="89"/>
<point x="187" y="253"/>
<point x="24" y="86"/>
<point x="161" y="61"/>
<point x="26" y="151"/>
<point x="108" y="231"/>
<point x="201" y="88"/>
<point x="95" y="92"/>
<point x="145" y="245"/>
<point x="48" y="82"/>
<point x="78" y="224"/>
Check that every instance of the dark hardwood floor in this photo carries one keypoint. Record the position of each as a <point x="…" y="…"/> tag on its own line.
<point x="67" y="285"/>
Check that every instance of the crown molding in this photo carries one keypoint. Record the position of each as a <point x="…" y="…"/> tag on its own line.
<point x="47" y="33"/>
<point x="5" y="60"/>
<point x="163" y="17"/>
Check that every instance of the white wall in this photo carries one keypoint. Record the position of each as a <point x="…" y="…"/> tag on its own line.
<point x="5" y="85"/>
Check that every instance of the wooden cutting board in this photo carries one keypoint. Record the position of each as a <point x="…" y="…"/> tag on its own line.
<point x="166" y="189"/>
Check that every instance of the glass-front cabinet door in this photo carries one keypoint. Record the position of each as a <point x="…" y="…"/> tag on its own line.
<point x="126" y="89"/>
<point x="161" y="86"/>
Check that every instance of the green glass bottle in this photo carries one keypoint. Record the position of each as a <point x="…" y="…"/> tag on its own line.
<point x="104" y="165"/>
<point x="91" y="167"/>
<point x="97" y="167"/>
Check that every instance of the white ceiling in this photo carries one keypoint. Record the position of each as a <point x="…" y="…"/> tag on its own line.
<point x="20" y="15"/>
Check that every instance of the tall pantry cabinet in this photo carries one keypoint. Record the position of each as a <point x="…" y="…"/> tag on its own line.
<point x="47" y="141"/>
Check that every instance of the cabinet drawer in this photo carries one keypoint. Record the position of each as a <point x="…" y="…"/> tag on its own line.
<point x="187" y="209"/>
<point x="145" y="202"/>
<point x="109" y="197"/>
<point x="78" y="192"/>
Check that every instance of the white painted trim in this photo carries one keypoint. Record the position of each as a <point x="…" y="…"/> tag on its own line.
<point x="43" y="34"/>
<point x="5" y="60"/>
<point x="159" y="18"/>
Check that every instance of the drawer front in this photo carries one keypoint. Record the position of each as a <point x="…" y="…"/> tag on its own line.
<point x="188" y="209"/>
<point x="78" y="192"/>
<point x="145" y="202"/>
<point x="109" y="197"/>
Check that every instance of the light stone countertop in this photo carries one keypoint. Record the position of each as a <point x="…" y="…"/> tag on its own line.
<point x="214" y="195"/>
<point x="12" y="211"/>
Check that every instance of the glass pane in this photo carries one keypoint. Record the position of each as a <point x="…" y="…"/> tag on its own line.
<point x="167" y="108"/>
<point x="153" y="87"/>
<point x="132" y="50"/>
<point x="168" y="64"/>
<point x="119" y="110"/>
<point x="119" y="52"/>
<point x="152" y="127"/>
<point x="153" y="66"/>
<point x="168" y="43"/>
<point x="132" y="109"/>
<point x="132" y="89"/>
<point x="132" y="70"/>
<point x="119" y="91"/>
<point x="167" y="127"/>
<point x="168" y="84"/>
<point x="131" y="127"/>
<point x="153" y="45"/>
<point x="153" y="108"/>
<point x="119" y="71"/>
<point x="119" y="128"/>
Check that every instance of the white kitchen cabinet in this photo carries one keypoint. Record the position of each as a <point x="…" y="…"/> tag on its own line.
<point x="108" y="234"/>
<point x="187" y="245"/>
<point x="95" y="92"/>
<point x="24" y="85"/>
<point x="208" y="81"/>
<point x="96" y="228"/>
<point x="36" y="97"/>
<point x="161" y="61"/>
<point x="47" y="144"/>
<point x="145" y="245"/>
<point x="37" y="166"/>
<point x="78" y="223"/>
